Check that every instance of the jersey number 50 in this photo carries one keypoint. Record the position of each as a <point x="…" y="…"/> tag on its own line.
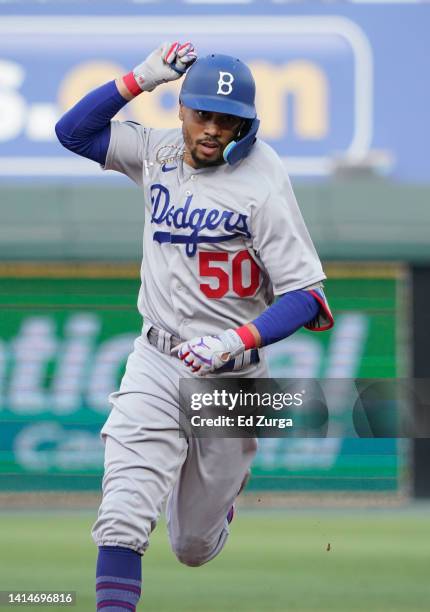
<point x="209" y="269"/>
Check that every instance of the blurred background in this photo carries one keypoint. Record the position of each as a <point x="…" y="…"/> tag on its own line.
<point x="343" y="97"/>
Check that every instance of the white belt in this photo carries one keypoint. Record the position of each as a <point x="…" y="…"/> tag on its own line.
<point x="165" y="341"/>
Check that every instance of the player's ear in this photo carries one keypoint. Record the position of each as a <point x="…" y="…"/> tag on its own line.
<point x="181" y="111"/>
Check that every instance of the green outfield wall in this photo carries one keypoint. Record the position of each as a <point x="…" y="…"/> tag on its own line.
<point x="66" y="332"/>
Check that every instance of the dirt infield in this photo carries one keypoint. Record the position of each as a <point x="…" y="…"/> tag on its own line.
<point x="43" y="500"/>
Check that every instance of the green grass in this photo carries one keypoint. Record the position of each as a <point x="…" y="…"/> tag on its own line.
<point x="275" y="561"/>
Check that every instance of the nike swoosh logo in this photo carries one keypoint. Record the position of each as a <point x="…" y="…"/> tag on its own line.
<point x="166" y="168"/>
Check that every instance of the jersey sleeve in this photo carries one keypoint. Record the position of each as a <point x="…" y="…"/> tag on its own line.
<point x="281" y="240"/>
<point x="127" y="149"/>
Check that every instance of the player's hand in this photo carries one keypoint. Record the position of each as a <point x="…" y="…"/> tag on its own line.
<point x="205" y="354"/>
<point x="167" y="63"/>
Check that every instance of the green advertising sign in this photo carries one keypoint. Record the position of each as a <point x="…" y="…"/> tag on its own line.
<point x="66" y="332"/>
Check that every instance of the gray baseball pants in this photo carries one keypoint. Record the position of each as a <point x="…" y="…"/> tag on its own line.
<point x="147" y="463"/>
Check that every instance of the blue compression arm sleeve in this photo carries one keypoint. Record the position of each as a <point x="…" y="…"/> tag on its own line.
<point x="85" y="128"/>
<point x="287" y="315"/>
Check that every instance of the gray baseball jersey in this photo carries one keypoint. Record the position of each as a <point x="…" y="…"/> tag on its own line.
<point x="219" y="242"/>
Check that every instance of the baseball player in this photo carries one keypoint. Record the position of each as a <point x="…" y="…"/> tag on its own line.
<point x="223" y="235"/>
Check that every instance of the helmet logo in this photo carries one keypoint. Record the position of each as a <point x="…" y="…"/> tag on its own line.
<point x="225" y="83"/>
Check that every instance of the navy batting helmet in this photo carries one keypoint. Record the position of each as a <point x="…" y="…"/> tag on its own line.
<point x="223" y="84"/>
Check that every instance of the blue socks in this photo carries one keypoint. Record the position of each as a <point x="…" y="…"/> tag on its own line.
<point x="118" y="579"/>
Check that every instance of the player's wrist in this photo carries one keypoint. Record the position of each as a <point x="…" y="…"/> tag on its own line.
<point x="249" y="336"/>
<point x="131" y="84"/>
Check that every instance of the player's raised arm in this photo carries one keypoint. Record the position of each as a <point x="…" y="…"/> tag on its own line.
<point x="86" y="128"/>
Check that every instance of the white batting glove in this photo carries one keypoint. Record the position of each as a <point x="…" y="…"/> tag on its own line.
<point x="167" y="63"/>
<point x="206" y="354"/>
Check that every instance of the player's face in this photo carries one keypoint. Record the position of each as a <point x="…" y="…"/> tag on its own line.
<point x="206" y="135"/>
